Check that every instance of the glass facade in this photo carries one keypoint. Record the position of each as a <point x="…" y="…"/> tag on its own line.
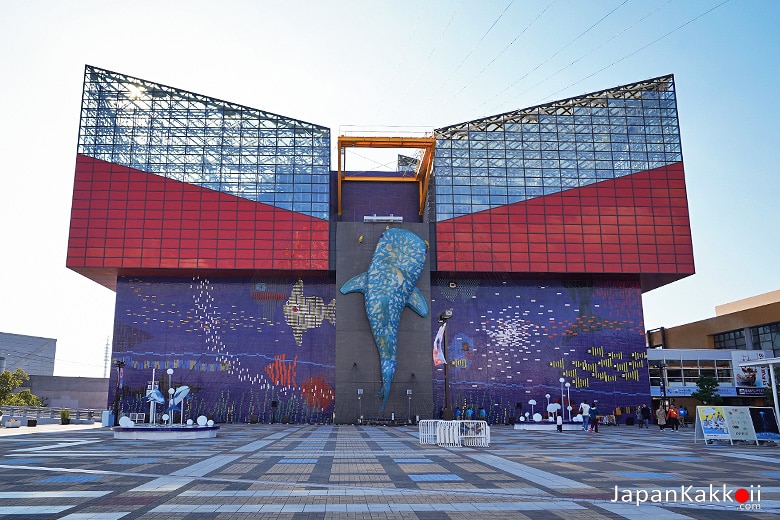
<point x="551" y="148"/>
<point x="168" y="179"/>
<point x="593" y="184"/>
<point x="206" y="142"/>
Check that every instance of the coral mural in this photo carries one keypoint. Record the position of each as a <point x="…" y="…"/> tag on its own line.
<point x="234" y="347"/>
<point x="511" y="342"/>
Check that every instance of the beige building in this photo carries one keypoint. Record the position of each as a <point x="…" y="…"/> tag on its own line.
<point x="744" y="330"/>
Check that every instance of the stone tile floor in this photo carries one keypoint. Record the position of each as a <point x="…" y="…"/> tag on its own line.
<point x="332" y="471"/>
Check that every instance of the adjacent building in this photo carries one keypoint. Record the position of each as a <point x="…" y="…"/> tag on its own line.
<point x="226" y="233"/>
<point x="740" y="331"/>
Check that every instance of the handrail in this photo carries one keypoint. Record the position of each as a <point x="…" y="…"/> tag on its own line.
<point x="47" y="412"/>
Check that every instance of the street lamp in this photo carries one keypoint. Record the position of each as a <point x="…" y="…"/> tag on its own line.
<point x="409" y="412"/>
<point x="568" y="398"/>
<point x="532" y="402"/>
<point x="662" y="383"/>
<point x="547" y="396"/>
<point x="443" y="317"/>
<point x="360" y="405"/>
<point x="119" y="365"/>
<point x="561" y="380"/>
<point x="170" y="394"/>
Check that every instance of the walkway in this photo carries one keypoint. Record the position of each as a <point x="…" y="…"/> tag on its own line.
<point x="313" y="472"/>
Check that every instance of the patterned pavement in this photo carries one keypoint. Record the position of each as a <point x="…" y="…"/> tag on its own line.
<point x="327" y="471"/>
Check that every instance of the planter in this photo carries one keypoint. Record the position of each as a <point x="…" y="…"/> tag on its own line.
<point x="32" y="422"/>
<point x="13" y="423"/>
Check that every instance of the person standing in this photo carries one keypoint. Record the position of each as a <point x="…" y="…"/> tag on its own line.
<point x="683" y="416"/>
<point x="640" y="416"/>
<point x="673" y="418"/>
<point x="660" y="416"/>
<point x="647" y="415"/>
<point x="594" y="418"/>
<point x="585" y="412"/>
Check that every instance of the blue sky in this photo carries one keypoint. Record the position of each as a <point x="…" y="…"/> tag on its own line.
<point x="401" y="63"/>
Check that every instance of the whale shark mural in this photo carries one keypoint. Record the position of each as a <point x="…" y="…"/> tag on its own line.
<point x="388" y="286"/>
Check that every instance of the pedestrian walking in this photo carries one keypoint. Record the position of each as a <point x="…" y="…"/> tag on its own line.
<point x="585" y="413"/>
<point x="660" y="416"/>
<point x="594" y="418"/>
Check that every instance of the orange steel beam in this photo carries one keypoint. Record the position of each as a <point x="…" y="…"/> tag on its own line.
<point x="423" y="174"/>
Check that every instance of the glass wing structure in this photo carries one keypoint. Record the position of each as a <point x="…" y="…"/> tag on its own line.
<point x="591" y="184"/>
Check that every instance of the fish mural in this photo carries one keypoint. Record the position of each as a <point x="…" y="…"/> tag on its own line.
<point x="305" y="312"/>
<point x="388" y="286"/>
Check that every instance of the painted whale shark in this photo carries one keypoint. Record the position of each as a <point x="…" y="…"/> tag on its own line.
<point x="388" y="286"/>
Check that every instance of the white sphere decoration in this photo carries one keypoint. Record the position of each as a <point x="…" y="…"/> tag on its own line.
<point x="537" y="417"/>
<point x="165" y="417"/>
<point x="171" y="391"/>
<point x="210" y="423"/>
<point x="202" y="420"/>
<point x="169" y="371"/>
<point x="125" y="422"/>
<point x="189" y="422"/>
<point x="532" y="402"/>
<point x="522" y="419"/>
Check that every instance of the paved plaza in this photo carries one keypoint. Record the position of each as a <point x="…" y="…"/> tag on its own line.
<point x="329" y="471"/>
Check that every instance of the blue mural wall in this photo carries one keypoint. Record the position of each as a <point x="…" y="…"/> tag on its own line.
<point x="512" y="341"/>
<point x="239" y="344"/>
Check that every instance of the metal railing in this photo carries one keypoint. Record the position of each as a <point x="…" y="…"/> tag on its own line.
<point x="41" y="412"/>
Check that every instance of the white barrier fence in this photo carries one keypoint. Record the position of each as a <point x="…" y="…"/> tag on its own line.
<point x="455" y="433"/>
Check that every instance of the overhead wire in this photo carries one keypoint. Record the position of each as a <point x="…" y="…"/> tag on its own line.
<point x="640" y="49"/>
<point x="594" y="49"/>
<point x="471" y="51"/>
<point x="497" y="56"/>
<point x="551" y="57"/>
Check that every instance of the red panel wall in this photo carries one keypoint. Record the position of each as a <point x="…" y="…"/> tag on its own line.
<point x="636" y="224"/>
<point x="128" y="219"/>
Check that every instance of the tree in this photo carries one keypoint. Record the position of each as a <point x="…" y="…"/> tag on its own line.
<point x="707" y="391"/>
<point x="10" y="381"/>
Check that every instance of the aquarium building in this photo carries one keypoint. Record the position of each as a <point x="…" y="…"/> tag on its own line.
<point x="229" y="235"/>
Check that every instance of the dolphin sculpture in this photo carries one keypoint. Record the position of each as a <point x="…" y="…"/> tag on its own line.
<point x="388" y="286"/>
<point x="155" y="396"/>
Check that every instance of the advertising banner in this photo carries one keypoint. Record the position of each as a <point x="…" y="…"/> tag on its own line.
<point x="752" y="424"/>
<point x="750" y="377"/>
<point x="765" y="423"/>
<point x="711" y="422"/>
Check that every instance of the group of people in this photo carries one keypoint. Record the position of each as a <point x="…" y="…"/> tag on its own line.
<point x="469" y="414"/>
<point x="671" y="417"/>
<point x="590" y="417"/>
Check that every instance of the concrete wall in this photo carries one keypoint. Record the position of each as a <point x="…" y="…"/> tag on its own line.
<point x="71" y="392"/>
<point x="357" y="359"/>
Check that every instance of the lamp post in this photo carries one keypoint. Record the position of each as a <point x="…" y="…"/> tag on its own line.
<point x="443" y="317"/>
<point x="532" y="402"/>
<point x="662" y="383"/>
<point x="170" y="394"/>
<point x="360" y="405"/>
<point x="547" y="396"/>
<point x="568" y="398"/>
<point x="561" y="380"/>
<point x="119" y="365"/>
<point x="409" y="411"/>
